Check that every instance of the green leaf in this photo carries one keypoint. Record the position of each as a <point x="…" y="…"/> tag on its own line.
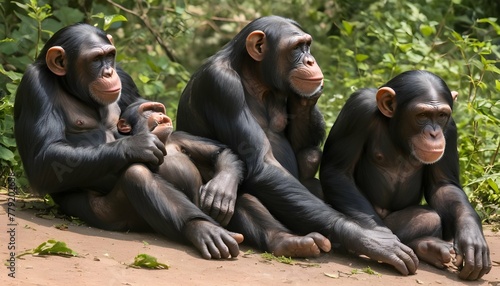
<point x="8" y="141"/>
<point x="493" y="185"/>
<point x="492" y="68"/>
<point x="12" y="75"/>
<point x="497" y="84"/>
<point x="148" y="261"/>
<point x="179" y="10"/>
<point x="370" y="271"/>
<point x="52" y="247"/>
<point x="109" y="20"/>
<point x="405" y="47"/>
<point x="347" y="27"/>
<point x="98" y="15"/>
<point x="427" y="30"/>
<point x="6" y="154"/>
<point x="492" y="22"/>
<point x="144" y="78"/>
<point x="68" y="15"/>
<point x="361" y="57"/>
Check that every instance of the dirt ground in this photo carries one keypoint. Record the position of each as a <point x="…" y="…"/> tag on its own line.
<point x="103" y="257"/>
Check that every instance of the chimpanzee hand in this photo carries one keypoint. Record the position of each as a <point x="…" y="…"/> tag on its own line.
<point x="386" y="247"/>
<point x="473" y="255"/>
<point x="218" y="197"/>
<point x="212" y="240"/>
<point x="143" y="148"/>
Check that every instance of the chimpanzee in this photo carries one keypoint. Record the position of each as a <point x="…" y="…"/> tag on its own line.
<point x="209" y="173"/>
<point x="205" y="170"/>
<point x="66" y="112"/>
<point x="390" y="147"/>
<point x="258" y="96"/>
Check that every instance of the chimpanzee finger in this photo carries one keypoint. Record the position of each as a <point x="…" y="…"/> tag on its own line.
<point x="406" y="262"/>
<point x="161" y="152"/>
<point x="468" y="264"/>
<point x="486" y="263"/>
<point x="215" y="209"/>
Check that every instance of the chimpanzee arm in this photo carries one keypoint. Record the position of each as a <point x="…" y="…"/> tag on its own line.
<point x="218" y="195"/>
<point x="51" y="162"/>
<point x="305" y="132"/>
<point x="460" y="221"/>
<point x="342" y="150"/>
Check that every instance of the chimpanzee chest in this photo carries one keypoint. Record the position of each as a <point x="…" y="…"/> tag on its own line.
<point x="88" y="127"/>
<point x="389" y="179"/>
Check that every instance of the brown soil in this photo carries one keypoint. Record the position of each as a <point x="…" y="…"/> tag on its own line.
<point x="104" y="255"/>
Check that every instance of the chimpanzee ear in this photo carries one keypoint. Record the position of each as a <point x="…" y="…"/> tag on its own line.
<point x="386" y="101"/>
<point x="454" y="94"/>
<point x="123" y="126"/>
<point x="56" y="60"/>
<point x="255" y="45"/>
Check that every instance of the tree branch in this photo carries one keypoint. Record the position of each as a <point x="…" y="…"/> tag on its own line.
<point x="145" y="21"/>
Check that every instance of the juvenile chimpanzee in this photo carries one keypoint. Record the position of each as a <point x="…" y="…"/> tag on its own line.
<point x="258" y="96"/>
<point x="205" y="170"/>
<point x="66" y="113"/>
<point x="387" y="149"/>
<point x="209" y="173"/>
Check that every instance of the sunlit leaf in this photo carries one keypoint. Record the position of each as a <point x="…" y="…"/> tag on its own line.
<point x="148" y="261"/>
<point x="347" y="27"/>
<point x="361" y="57"/>
<point x="52" y="247"/>
<point x="109" y="20"/>
<point x="427" y="30"/>
<point x="493" y="185"/>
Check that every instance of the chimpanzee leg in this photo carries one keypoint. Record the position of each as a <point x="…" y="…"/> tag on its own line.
<point x="165" y="208"/>
<point x="170" y="212"/>
<point x="110" y="212"/>
<point x="414" y="222"/>
<point x="179" y="171"/>
<point x="420" y="228"/>
<point x="141" y="199"/>
<point x="262" y="230"/>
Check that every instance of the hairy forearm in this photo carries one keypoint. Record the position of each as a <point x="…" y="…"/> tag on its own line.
<point x="62" y="167"/>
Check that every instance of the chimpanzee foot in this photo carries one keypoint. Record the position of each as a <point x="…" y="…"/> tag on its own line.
<point x="213" y="241"/>
<point x="289" y="245"/>
<point x="433" y="250"/>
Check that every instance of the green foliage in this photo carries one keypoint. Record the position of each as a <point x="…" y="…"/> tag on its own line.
<point x="366" y="270"/>
<point x="281" y="259"/>
<point x="147" y="261"/>
<point x="357" y="44"/>
<point x="392" y="36"/>
<point x="51" y="247"/>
